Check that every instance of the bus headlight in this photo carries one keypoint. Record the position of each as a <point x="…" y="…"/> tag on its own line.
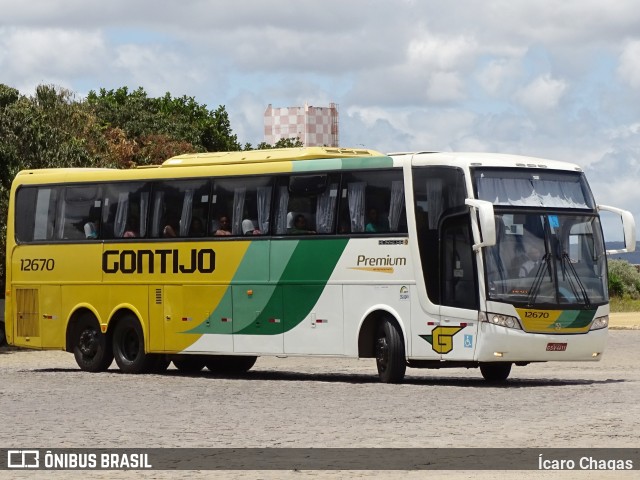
<point x="499" y="319"/>
<point x="600" y="322"/>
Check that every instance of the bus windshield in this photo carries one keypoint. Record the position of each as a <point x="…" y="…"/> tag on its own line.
<point x="547" y="259"/>
<point x="533" y="188"/>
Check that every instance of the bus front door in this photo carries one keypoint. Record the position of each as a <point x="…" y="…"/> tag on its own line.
<point x="459" y="289"/>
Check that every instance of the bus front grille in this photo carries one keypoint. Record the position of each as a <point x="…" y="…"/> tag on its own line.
<point x="27" y="324"/>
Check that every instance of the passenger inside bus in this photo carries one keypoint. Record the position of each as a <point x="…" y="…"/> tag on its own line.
<point x="224" y="226"/>
<point x="249" y="228"/>
<point x="374" y="223"/>
<point x="130" y="231"/>
<point x="92" y="224"/>
<point x="197" y="227"/>
<point x="300" y="226"/>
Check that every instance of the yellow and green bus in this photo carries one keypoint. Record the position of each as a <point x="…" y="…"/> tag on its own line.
<point x="213" y="259"/>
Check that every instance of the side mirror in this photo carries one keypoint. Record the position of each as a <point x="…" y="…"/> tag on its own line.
<point x="628" y="228"/>
<point x="487" y="222"/>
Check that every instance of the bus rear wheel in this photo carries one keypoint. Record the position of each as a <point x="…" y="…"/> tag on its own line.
<point x="495" y="372"/>
<point x="389" y="349"/>
<point x="230" y="363"/>
<point x="189" y="363"/>
<point x="128" y="347"/>
<point x="91" y="347"/>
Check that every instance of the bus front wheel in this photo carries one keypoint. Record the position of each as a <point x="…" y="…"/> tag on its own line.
<point x="389" y="348"/>
<point x="91" y="347"/>
<point x="128" y="347"/>
<point x="495" y="372"/>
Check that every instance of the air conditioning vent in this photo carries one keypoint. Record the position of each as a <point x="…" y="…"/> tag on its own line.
<point x="158" y="296"/>
<point x="27" y="312"/>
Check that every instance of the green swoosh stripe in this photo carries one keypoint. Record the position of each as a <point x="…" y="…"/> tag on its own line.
<point x="299" y="287"/>
<point x="299" y="272"/>
<point x="575" y="318"/>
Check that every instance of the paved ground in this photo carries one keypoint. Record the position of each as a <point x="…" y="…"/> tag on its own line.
<point x="46" y="402"/>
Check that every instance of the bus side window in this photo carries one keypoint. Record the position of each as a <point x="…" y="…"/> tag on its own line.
<point x="373" y="202"/>
<point x="79" y="213"/>
<point x="125" y="210"/>
<point x="246" y="202"/>
<point x="35" y="213"/>
<point x="176" y="205"/>
<point x="306" y="204"/>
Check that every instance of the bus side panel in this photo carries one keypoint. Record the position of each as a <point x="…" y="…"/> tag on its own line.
<point x="51" y="320"/>
<point x="39" y="296"/>
<point x="258" y="319"/>
<point x="390" y="300"/>
<point x="377" y="274"/>
<point x="197" y="318"/>
<point x="321" y="330"/>
<point x="94" y="298"/>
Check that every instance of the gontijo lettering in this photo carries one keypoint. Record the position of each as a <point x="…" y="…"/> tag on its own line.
<point x="163" y="260"/>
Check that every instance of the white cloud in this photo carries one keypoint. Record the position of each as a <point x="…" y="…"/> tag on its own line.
<point x="445" y="87"/>
<point x="542" y="94"/>
<point x="441" y="53"/>
<point x="499" y="73"/>
<point x="44" y="52"/>
<point x="629" y="64"/>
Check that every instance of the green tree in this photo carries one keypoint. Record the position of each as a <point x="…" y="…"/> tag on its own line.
<point x="142" y="130"/>
<point x="47" y="130"/>
<point x="282" y="143"/>
<point x="624" y="279"/>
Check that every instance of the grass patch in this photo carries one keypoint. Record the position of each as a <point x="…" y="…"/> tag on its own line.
<point x="624" y="304"/>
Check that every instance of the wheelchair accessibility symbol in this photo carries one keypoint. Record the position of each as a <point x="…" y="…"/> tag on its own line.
<point x="468" y="341"/>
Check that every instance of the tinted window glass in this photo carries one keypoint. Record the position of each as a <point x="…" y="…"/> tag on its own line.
<point x="241" y="206"/>
<point x="306" y="204"/>
<point x="180" y="209"/>
<point x="372" y="202"/>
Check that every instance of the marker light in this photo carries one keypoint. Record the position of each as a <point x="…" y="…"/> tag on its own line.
<point x="600" y="323"/>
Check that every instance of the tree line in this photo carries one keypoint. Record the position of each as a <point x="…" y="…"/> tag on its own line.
<point x="109" y="128"/>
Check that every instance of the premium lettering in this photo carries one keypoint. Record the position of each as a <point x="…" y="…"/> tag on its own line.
<point x="387" y="261"/>
<point x="159" y="261"/>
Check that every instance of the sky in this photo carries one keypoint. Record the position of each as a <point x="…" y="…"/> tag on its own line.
<point x="551" y="79"/>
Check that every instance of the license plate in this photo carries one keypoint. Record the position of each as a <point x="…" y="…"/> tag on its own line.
<point x="556" y="347"/>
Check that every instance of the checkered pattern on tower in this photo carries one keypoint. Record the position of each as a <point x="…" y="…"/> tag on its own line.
<point x="314" y="126"/>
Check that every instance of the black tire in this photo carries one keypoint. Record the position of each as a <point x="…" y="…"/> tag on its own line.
<point x="230" y="363"/>
<point x="495" y="372"/>
<point x="91" y="347"/>
<point x="390" y="356"/>
<point x="3" y="335"/>
<point x="189" y="363"/>
<point x="128" y="347"/>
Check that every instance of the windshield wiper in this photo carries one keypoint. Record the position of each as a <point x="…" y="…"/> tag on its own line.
<point x="537" y="281"/>
<point x="566" y="262"/>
